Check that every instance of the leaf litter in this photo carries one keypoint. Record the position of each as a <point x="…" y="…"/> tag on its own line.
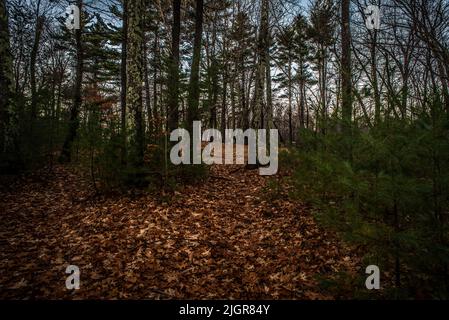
<point x="218" y="240"/>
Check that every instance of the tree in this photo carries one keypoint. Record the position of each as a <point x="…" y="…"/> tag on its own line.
<point x="173" y="79"/>
<point x="302" y="52"/>
<point x="212" y="69"/>
<point x="134" y="78"/>
<point x="262" y="107"/>
<point x="346" y="81"/>
<point x="33" y="57"/>
<point x="66" y="153"/>
<point x="242" y="39"/>
<point x="286" y="56"/>
<point x="194" y="84"/>
<point x="322" y="19"/>
<point x="6" y="74"/>
<point x="123" y="82"/>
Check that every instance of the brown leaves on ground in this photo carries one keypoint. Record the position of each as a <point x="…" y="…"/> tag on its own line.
<point x="219" y="240"/>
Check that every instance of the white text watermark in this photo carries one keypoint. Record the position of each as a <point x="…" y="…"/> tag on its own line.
<point x="213" y="151"/>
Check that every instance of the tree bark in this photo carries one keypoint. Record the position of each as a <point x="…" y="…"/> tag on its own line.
<point x="134" y="99"/>
<point x="173" y="83"/>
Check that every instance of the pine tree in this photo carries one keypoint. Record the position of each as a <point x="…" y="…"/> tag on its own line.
<point x="285" y="58"/>
<point x="346" y="81"/>
<point x="134" y="68"/>
<point x="262" y="107"/>
<point x="6" y="76"/>
<point x="302" y="55"/>
<point x="123" y="80"/>
<point x="66" y="153"/>
<point x="321" y="32"/>
<point x="242" y="40"/>
<point x="173" y="70"/>
<point x="194" y="84"/>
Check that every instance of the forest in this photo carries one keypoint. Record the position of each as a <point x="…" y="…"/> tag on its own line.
<point x="357" y="92"/>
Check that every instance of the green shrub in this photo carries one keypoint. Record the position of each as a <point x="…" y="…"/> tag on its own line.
<point x="390" y="196"/>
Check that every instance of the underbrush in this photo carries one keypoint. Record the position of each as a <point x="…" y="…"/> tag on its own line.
<point x="387" y="194"/>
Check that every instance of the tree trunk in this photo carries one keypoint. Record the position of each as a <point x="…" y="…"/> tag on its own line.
<point x="374" y="79"/>
<point x="134" y="77"/>
<point x="322" y="84"/>
<point x="173" y="83"/>
<point x="58" y="101"/>
<point x="123" y="81"/>
<point x="156" y="62"/>
<point x="194" y="86"/>
<point x="269" y="95"/>
<point x="224" y="101"/>
<point x="301" y="93"/>
<point x="243" y="100"/>
<point x="233" y="103"/>
<point x="346" y="83"/>
<point x="214" y="93"/>
<point x="147" y="90"/>
<point x="33" y="58"/>
<point x="290" y="94"/>
<point x="6" y="76"/>
<point x="261" y="73"/>
<point x="66" y="153"/>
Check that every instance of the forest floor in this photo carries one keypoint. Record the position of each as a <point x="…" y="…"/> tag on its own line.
<point x="223" y="239"/>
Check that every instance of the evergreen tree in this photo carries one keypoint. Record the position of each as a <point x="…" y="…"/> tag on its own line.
<point x="242" y="40"/>
<point x="302" y="56"/>
<point x="173" y="71"/>
<point x="194" y="84"/>
<point x="6" y="77"/>
<point x="134" y="70"/>
<point x="321" y="32"/>
<point x="66" y="153"/>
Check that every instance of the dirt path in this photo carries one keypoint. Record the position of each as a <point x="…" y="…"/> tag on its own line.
<point x="221" y="239"/>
